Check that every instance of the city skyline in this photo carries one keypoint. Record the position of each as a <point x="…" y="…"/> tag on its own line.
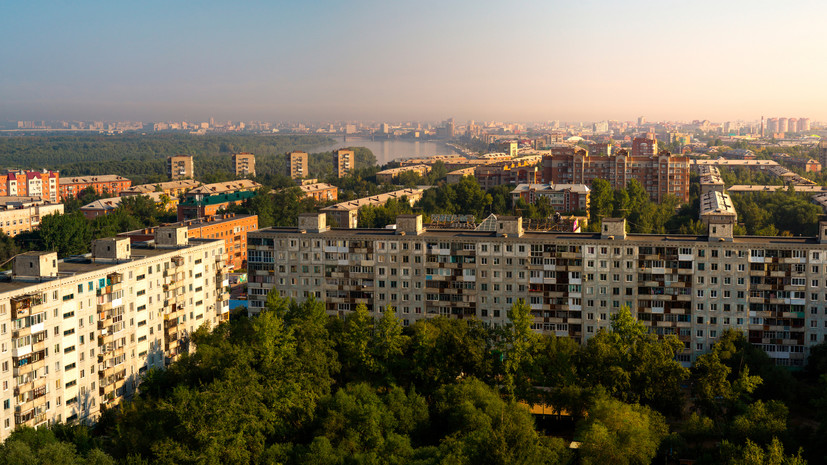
<point x="368" y="60"/>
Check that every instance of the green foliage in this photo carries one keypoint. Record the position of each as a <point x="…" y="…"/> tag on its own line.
<point x="619" y="433"/>
<point x="633" y="365"/>
<point x="56" y="445"/>
<point x="776" y="213"/>
<point x="634" y="204"/>
<point x="753" y="454"/>
<point x="463" y="198"/>
<point x="142" y="158"/>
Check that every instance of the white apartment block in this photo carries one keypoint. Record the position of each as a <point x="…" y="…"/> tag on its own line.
<point x="774" y="289"/>
<point x="76" y="335"/>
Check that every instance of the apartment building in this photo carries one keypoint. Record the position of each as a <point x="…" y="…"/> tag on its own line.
<point x="389" y="175"/>
<point x="297" y="165"/>
<point x="245" y="164"/>
<point x="106" y="206"/>
<point x="659" y="175"/>
<point x="344" y="160"/>
<point x="346" y="214"/>
<point x="523" y="170"/>
<point x="170" y="188"/>
<point x="695" y="287"/>
<point x="78" y="334"/>
<point x="320" y="191"/>
<point x="105" y="183"/>
<point x="562" y="197"/>
<point x="44" y="184"/>
<point x="23" y="214"/>
<point x="211" y="199"/>
<point x="180" y="167"/>
<point x="644" y="147"/>
<point x="229" y="227"/>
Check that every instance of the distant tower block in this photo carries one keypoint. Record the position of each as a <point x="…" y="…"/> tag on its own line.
<point x="245" y="164"/>
<point x="180" y="167"/>
<point x="345" y="160"/>
<point x="297" y="165"/>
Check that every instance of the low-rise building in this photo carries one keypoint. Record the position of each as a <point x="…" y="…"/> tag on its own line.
<point x="229" y="227"/>
<point x="106" y="206"/>
<point x="23" y="214"/>
<point x="103" y="184"/>
<point x="170" y="188"/>
<point x="389" y="175"/>
<point x="716" y="207"/>
<point x="83" y="331"/>
<point x="320" y="191"/>
<point x="562" y="197"/>
<point x="457" y="175"/>
<point x="346" y="214"/>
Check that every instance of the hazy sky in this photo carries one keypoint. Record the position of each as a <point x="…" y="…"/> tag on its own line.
<point x="396" y="60"/>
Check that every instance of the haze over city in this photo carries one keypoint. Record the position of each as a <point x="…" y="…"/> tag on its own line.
<point x="394" y="61"/>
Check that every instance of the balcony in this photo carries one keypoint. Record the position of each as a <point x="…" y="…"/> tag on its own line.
<point x="24" y="305"/>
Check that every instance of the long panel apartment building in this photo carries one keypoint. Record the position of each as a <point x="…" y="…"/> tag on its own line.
<point x="695" y="287"/>
<point x="78" y="334"/>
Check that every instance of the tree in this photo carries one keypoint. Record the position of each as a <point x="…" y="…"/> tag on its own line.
<point x="600" y="202"/>
<point x="357" y="359"/>
<point x="635" y="366"/>
<point x="752" y="454"/>
<point x="389" y="344"/>
<point x="520" y="343"/>
<point x="68" y="234"/>
<point x="619" y="433"/>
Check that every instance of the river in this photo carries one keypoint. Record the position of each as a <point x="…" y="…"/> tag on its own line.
<point x="389" y="150"/>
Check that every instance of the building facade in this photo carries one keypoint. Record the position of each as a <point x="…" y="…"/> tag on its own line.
<point x="245" y="164"/>
<point x="344" y="160"/>
<point x="44" y="184"/>
<point x="563" y="198"/>
<point x="229" y="227"/>
<point x="180" y="167"/>
<point x="79" y="334"/>
<point x="659" y="175"/>
<point x="389" y="175"/>
<point x="298" y="165"/>
<point x="23" y="214"/>
<point x="693" y="287"/>
<point x="107" y="183"/>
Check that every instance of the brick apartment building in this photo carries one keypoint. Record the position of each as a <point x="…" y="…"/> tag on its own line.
<point x="105" y="183"/>
<point x="659" y="175"/>
<point x="44" y="184"/>
<point x="230" y="227"/>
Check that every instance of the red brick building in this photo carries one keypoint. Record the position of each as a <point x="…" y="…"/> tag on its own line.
<point x="44" y="184"/>
<point x="230" y="227"/>
<point x="659" y="175"/>
<point x="106" y="183"/>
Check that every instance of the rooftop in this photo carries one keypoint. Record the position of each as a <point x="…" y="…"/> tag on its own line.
<point x="92" y="179"/>
<point x="375" y="200"/>
<point x="717" y="203"/>
<point x="579" y="188"/>
<point x="78" y="265"/>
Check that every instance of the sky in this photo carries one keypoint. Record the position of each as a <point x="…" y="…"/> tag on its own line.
<point x="394" y="60"/>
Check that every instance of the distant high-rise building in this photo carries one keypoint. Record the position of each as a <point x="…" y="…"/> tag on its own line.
<point x="803" y="124"/>
<point x="772" y="126"/>
<point x="792" y="125"/>
<point x="297" y="164"/>
<point x="245" y="164"/>
<point x="180" y="167"/>
<point x="783" y="125"/>
<point x="345" y="160"/>
<point x="385" y="128"/>
<point x="641" y="120"/>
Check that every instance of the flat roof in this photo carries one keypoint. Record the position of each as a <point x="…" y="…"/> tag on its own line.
<point x="92" y="179"/>
<point x="544" y="235"/>
<point x="72" y="266"/>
